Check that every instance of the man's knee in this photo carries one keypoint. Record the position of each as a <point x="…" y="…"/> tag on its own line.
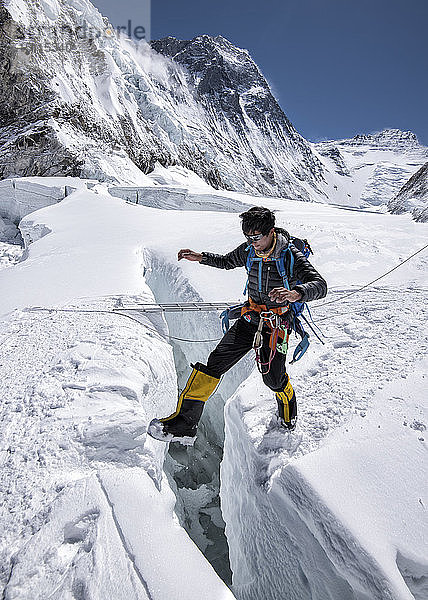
<point x="276" y="381"/>
<point x="208" y="369"/>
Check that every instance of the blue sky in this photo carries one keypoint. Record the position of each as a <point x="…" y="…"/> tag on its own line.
<point x="337" y="67"/>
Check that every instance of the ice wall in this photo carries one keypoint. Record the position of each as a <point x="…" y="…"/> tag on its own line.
<point x="176" y="198"/>
<point x="345" y="521"/>
<point x="24" y="195"/>
<point x="194" y="471"/>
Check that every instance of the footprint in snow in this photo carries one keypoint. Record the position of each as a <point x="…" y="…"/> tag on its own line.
<point x="345" y="344"/>
<point x="79" y="531"/>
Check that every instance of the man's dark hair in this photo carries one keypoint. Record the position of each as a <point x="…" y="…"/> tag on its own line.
<point x="258" y="218"/>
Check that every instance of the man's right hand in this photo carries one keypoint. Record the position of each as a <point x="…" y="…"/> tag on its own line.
<point x="189" y="255"/>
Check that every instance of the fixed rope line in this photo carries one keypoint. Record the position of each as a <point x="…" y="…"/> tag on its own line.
<point x="201" y="306"/>
<point x="116" y="312"/>
<point x="215" y="306"/>
<point x="371" y="282"/>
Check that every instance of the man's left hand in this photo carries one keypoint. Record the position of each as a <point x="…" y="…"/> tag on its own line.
<point x="281" y="294"/>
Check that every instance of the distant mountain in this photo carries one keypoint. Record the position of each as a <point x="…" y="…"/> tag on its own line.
<point x="100" y="107"/>
<point x="374" y="167"/>
<point x="76" y="100"/>
<point x="243" y="120"/>
<point x="413" y="196"/>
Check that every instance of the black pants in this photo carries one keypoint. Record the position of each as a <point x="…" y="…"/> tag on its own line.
<point x="236" y="343"/>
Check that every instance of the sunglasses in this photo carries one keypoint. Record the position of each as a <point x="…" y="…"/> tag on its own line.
<point x="254" y="238"/>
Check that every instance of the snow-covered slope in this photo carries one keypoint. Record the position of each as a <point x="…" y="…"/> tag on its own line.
<point x="244" y="119"/>
<point x="86" y="510"/>
<point x="111" y="108"/>
<point x="336" y="510"/>
<point x="413" y="196"/>
<point x="75" y="100"/>
<point x="372" y="168"/>
<point x="65" y="105"/>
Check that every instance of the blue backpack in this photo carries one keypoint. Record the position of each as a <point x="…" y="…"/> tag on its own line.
<point x="296" y="308"/>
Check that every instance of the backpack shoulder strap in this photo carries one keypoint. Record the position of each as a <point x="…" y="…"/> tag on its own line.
<point x="250" y="257"/>
<point x="281" y="265"/>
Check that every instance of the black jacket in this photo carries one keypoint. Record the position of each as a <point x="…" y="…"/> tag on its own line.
<point x="312" y="286"/>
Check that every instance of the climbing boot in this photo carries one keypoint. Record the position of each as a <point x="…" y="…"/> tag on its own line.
<point x="181" y="426"/>
<point x="287" y="407"/>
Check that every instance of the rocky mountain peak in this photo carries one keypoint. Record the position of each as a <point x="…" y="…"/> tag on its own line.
<point x="214" y="60"/>
<point x="228" y="83"/>
<point x="227" y="78"/>
<point x="392" y="139"/>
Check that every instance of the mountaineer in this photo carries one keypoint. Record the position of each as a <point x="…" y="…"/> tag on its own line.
<point x="280" y="280"/>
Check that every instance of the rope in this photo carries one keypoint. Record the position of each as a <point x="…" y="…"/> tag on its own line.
<point x="171" y="337"/>
<point x="115" y="312"/>
<point x="371" y="282"/>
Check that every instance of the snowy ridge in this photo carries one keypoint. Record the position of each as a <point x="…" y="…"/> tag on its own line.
<point x="372" y="167"/>
<point x="248" y="120"/>
<point x="24" y="195"/>
<point x="110" y="109"/>
<point x="413" y="196"/>
<point x="388" y="139"/>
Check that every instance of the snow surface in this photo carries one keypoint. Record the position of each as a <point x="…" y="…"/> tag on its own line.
<point x="329" y="512"/>
<point x="9" y="253"/>
<point x="338" y="507"/>
<point x="367" y="171"/>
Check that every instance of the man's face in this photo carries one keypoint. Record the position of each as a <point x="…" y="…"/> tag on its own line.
<point x="264" y="243"/>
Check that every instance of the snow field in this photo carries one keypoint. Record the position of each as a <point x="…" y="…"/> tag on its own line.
<point x="379" y="465"/>
<point x="88" y="413"/>
<point x="104" y="377"/>
<point x="10" y="254"/>
<point x="85" y="410"/>
<point x="375" y="169"/>
<point x="369" y="471"/>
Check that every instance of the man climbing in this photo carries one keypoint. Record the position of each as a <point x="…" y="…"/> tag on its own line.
<point x="273" y="287"/>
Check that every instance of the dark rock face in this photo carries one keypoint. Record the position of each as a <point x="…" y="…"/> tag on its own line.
<point x="334" y="154"/>
<point x="413" y="196"/>
<point x="33" y="113"/>
<point x="24" y="100"/>
<point x="226" y="77"/>
<point x="229" y="84"/>
<point x="90" y="107"/>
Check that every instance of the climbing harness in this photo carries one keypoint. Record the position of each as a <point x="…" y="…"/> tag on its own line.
<point x="282" y="328"/>
<point x="279" y="338"/>
<point x="273" y="320"/>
